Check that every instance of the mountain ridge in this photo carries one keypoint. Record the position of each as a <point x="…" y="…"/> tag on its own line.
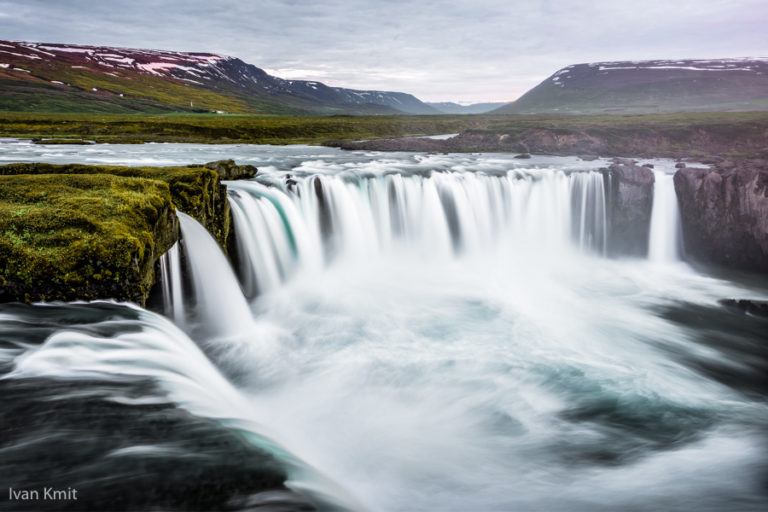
<point x="36" y="76"/>
<point x="649" y="86"/>
<point x="450" y="107"/>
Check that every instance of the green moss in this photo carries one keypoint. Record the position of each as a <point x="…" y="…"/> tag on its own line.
<point x="81" y="236"/>
<point x="85" y="232"/>
<point x="194" y="190"/>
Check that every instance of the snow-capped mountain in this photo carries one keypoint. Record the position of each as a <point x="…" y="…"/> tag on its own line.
<point x="650" y="86"/>
<point x="167" y="80"/>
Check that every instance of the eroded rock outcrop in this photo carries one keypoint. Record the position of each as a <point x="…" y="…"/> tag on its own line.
<point x="724" y="212"/>
<point x="229" y="170"/>
<point x="629" y="197"/>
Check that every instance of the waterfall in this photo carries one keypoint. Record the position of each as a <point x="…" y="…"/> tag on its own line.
<point x="170" y="279"/>
<point x="589" y="211"/>
<point x="272" y="237"/>
<point x="220" y="301"/>
<point x="410" y="320"/>
<point x="664" y="238"/>
<point x="283" y="226"/>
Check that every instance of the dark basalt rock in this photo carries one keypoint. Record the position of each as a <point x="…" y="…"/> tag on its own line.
<point x="76" y="142"/>
<point x="522" y="156"/>
<point x="326" y="224"/>
<point x="630" y="200"/>
<point x="724" y="212"/>
<point x="229" y="170"/>
<point x="752" y="307"/>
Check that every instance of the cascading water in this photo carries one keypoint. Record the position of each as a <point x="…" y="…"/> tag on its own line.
<point x="459" y="344"/>
<point x="220" y="303"/>
<point x="590" y="221"/>
<point x="664" y="238"/>
<point x="172" y="286"/>
<point x="149" y="348"/>
<point x="320" y="217"/>
<point x="272" y="237"/>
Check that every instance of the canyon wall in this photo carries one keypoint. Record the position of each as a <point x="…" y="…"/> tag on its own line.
<point x="724" y="212"/>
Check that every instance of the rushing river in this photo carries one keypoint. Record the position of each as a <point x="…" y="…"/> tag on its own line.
<point x="401" y="332"/>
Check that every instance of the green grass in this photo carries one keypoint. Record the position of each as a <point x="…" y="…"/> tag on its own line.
<point x="213" y="128"/>
<point x="141" y="93"/>
<point x="681" y="119"/>
<point x="39" y="96"/>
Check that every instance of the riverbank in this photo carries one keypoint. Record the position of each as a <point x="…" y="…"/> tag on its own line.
<point x="658" y="135"/>
<point x="695" y="135"/>
<point x="222" y="129"/>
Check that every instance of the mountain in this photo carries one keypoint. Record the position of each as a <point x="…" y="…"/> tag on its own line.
<point x="73" y="78"/>
<point x="648" y="87"/>
<point x="448" y="107"/>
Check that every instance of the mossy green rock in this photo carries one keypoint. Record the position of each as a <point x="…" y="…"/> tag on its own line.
<point x="67" y="237"/>
<point x="229" y="170"/>
<point x="72" y="232"/>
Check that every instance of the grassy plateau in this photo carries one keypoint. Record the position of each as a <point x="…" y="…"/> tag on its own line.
<point x="230" y="128"/>
<point x="260" y="129"/>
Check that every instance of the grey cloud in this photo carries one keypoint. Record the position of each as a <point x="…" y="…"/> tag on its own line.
<point x="472" y="50"/>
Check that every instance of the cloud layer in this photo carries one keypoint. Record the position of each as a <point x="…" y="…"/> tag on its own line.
<point x="473" y="50"/>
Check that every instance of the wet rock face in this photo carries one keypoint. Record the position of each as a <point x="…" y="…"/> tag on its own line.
<point x="229" y="170"/>
<point x="214" y="207"/>
<point x="724" y="212"/>
<point x="630" y="201"/>
<point x="750" y="307"/>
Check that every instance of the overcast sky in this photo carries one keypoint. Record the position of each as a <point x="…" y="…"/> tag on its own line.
<point x="464" y="50"/>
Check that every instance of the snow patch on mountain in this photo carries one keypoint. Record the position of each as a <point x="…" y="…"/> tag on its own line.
<point x="225" y="75"/>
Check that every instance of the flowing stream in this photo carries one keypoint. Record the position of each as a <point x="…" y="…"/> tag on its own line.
<point x="410" y="332"/>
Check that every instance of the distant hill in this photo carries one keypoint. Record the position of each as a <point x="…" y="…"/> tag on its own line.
<point x="448" y="107"/>
<point x="71" y="78"/>
<point x="649" y="87"/>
